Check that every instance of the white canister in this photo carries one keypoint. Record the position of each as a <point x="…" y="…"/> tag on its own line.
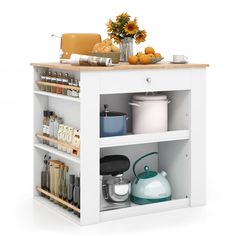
<point x="149" y="113"/>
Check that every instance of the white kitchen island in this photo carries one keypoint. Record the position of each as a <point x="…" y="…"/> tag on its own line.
<point x="181" y="149"/>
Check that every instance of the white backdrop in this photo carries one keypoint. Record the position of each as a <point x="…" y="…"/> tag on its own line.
<point x="203" y="30"/>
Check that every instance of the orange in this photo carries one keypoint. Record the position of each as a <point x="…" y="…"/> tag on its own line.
<point x="149" y="50"/>
<point x="144" y="59"/>
<point x="151" y="55"/>
<point x="157" y="55"/>
<point x="133" y="60"/>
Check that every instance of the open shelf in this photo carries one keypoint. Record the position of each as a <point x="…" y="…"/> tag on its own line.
<point x="55" y="95"/>
<point x="57" y="209"/>
<point x="135" y="210"/>
<point x="57" y="152"/>
<point x="132" y="139"/>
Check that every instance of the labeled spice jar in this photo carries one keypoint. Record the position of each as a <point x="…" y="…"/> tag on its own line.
<point x="75" y="92"/>
<point x="69" y="91"/>
<point x="59" y="82"/>
<point x="65" y="81"/>
<point x="48" y="80"/>
<point x="45" y="125"/>
<point x="43" y="79"/>
<point x="54" y="81"/>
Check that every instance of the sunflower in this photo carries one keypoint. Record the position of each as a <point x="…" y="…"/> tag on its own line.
<point x="123" y="16"/>
<point x="109" y="25"/>
<point x="131" y="28"/>
<point x="116" y="38"/>
<point x="141" y="36"/>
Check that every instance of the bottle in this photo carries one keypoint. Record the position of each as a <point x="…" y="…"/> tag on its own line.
<point x="64" y="137"/>
<point x="51" y="128"/>
<point x="56" y="178"/>
<point x="69" y="138"/>
<point x="76" y="194"/>
<point x="59" y="81"/>
<point x="75" y="93"/>
<point x="54" y="81"/>
<point x="59" y="135"/>
<point x="48" y="80"/>
<point x="45" y="125"/>
<point x="70" y="189"/>
<point x="65" y="184"/>
<point x="70" y="83"/>
<point x="65" y="81"/>
<point x="60" y="182"/>
<point x="45" y="176"/>
<point x="43" y="79"/>
<point x="51" y="171"/>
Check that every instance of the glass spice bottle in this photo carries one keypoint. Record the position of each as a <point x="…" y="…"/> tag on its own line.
<point x="65" y="184"/>
<point x="54" y="81"/>
<point x="45" y="125"/>
<point x="69" y="91"/>
<point x="76" y="194"/>
<point x="42" y="87"/>
<point x="65" y="81"/>
<point x="71" y="186"/>
<point x="75" y="93"/>
<point x="48" y="80"/>
<point x="51" y="127"/>
<point x="59" y="81"/>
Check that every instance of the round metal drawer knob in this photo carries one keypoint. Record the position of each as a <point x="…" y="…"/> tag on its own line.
<point x="149" y="80"/>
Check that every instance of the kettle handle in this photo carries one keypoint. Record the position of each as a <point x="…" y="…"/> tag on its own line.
<point x="136" y="162"/>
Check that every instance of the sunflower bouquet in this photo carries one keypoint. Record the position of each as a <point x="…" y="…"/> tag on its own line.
<point x="124" y="27"/>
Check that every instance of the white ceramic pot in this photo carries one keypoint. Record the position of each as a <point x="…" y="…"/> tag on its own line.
<point x="149" y="113"/>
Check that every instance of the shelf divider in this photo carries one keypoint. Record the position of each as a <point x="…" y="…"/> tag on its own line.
<point x="57" y="152"/>
<point x="59" y="96"/>
<point x="132" y="139"/>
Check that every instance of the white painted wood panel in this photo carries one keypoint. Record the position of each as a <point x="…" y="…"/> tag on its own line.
<point x="132" y="139"/>
<point x="89" y="155"/>
<point x="137" y="210"/>
<point x="136" y="81"/>
<point x="198" y="140"/>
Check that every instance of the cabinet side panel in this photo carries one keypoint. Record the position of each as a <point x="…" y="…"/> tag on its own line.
<point x="89" y="157"/>
<point x="198" y="158"/>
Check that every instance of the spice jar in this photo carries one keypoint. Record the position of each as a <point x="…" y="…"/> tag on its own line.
<point x="54" y="81"/>
<point x="59" y="82"/>
<point x="43" y="79"/>
<point x="45" y="125"/>
<point x="70" y="84"/>
<point x="74" y="92"/>
<point x="48" y="80"/>
<point x="65" y="81"/>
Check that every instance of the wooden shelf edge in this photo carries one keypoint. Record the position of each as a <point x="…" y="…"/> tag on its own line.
<point x="67" y="204"/>
<point x="76" y="149"/>
<point x="58" y="85"/>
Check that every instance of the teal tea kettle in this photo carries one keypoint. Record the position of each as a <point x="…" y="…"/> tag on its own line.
<point x="149" y="186"/>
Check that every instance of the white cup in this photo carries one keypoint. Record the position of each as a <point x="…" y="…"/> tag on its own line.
<point x="179" y="58"/>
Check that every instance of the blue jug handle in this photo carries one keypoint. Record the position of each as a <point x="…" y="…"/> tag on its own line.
<point x="136" y="162"/>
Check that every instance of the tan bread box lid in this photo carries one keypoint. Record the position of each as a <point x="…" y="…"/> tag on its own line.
<point x="78" y="43"/>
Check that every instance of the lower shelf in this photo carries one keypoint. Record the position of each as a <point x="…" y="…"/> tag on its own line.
<point x="57" y="209"/>
<point x="136" y="210"/>
<point x="57" y="152"/>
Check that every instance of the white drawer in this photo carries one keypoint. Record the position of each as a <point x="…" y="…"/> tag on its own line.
<point x="146" y="80"/>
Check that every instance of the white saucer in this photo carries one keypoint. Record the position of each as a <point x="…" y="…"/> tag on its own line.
<point x="179" y="62"/>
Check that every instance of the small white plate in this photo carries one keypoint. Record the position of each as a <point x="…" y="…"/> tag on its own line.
<point x="179" y="62"/>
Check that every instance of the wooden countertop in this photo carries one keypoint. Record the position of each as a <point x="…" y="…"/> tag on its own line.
<point x="120" y="66"/>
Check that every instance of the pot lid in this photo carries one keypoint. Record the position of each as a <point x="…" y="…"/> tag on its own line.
<point x="109" y="113"/>
<point x="149" y="97"/>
